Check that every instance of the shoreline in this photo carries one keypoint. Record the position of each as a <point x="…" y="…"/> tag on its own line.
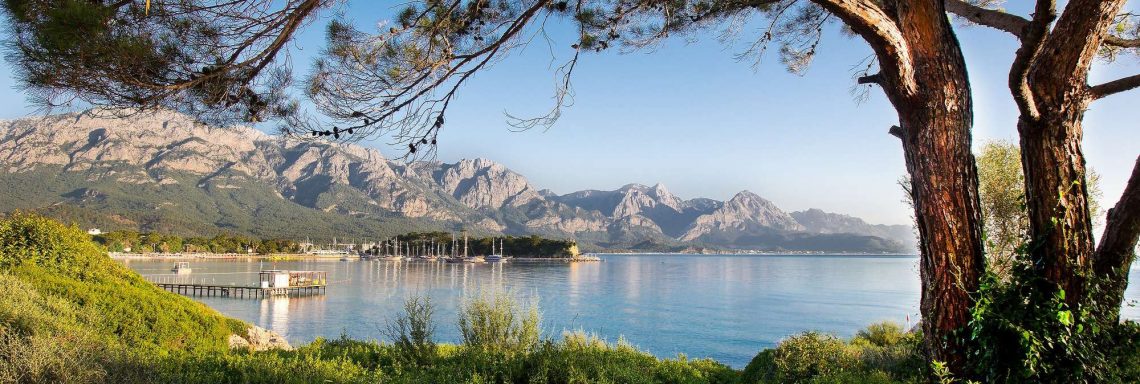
<point x="299" y="257"/>
<point x="340" y="258"/>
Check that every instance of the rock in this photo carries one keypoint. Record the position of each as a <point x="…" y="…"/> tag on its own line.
<point x="259" y="339"/>
<point x="481" y="183"/>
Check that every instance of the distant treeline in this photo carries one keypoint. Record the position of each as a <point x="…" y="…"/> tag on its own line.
<point x="449" y="244"/>
<point x="124" y="240"/>
<point x="415" y="243"/>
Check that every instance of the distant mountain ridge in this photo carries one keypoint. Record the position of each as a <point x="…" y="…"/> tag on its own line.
<point x="164" y="171"/>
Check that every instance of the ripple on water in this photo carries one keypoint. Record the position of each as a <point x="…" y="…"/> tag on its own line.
<point x="724" y="307"/>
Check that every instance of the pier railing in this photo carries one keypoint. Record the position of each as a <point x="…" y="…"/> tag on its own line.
<point x="206" y="287"/>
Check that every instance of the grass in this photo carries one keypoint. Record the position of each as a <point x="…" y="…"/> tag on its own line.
<point x="60" y="283"/>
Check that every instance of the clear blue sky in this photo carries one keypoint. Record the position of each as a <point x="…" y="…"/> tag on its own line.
<point x="688" y="115"/>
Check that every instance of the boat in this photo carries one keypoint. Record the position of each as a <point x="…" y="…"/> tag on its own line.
<point x="181" y="268"/>
<point x="495" y="257"/>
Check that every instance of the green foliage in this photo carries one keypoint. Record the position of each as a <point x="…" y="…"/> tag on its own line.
<point x="495" y="322"/>
<point x="60" y="283"/>
<point x="1024" y="332"/>
<point x="412" y="332"/>
<point x="48" y="359"/>
<point x="881" y="353"/>
<point x="29" y="240"/>
<point x="1001" y="190"/>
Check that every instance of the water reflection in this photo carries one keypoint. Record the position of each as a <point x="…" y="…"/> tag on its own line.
<point x="725" y="307"/>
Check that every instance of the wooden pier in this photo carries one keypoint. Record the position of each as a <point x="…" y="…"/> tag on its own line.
<point x="272" y="283"/>
<point x="242" y="292"/>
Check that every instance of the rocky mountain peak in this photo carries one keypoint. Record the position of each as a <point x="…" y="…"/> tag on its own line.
<point x="481" y="183"/>
<point x="745" y="212"/>
<point x="171" y="157"/>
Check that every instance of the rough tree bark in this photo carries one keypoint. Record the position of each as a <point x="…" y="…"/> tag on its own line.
<point x="1117" y="249"/>
<point x="1056" y="197"/>
<point x="924" y="76"/>
<point x="1049" y="83"/>
<point x="935" y="132"/>
<point x="1052" y="93"/>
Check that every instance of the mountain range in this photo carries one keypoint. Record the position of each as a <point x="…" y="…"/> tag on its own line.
<point x="166" y="172"/>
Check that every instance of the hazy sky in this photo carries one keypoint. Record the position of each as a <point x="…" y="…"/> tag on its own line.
<point x="687" y="114"/>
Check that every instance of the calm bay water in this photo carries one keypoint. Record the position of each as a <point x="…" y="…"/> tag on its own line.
<point x="724" y="307"/>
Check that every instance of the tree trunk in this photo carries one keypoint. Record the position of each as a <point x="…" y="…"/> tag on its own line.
<point x="924" y="76"/>
<point x="944" y="187"/>
<point x="935" y="132"/>
<point x="1117" y="249"/>
<point x="1056" y="197"/>
<point x="1054" y="102"/>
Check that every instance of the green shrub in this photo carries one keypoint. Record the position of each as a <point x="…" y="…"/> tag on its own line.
<point x="495" y="322"/>
<point x="880" y="353"/>
<point x="412" y="331"/>
<point x="48" y="359"/>
<point x="27" y="239"/>
<point x="1025" y="332"/>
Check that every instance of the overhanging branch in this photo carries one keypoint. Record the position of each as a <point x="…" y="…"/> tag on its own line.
<point x="1014" y="24"/>
<point x="1115" y="86"/>
<point x="992" y="18"/>
<point x="883" y="34"/>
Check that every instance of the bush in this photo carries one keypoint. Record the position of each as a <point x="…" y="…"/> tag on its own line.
<point x="1026" y="333"/>
<point x="497" y="323"/>
<point x="27" y="239"/>
<point x="881" y="353"/>
<point x="413" y="330"/>
<point x="48" y="359"/>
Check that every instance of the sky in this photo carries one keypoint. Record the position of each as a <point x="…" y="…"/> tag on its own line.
<point x="688" y="115"/>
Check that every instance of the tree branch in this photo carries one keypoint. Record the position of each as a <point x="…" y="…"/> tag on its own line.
<point x="1121" y="42"/>
<point x="1115" y="86"/>
<point x="883" y="35"/>
<point x="897" y="131"/>
<point x="1072" y="44"/>
<point x="1032" y="39"/>
<point x="1014" y="24"/>
<point x="992" y="18"/>
<point x="876" y="78"/>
